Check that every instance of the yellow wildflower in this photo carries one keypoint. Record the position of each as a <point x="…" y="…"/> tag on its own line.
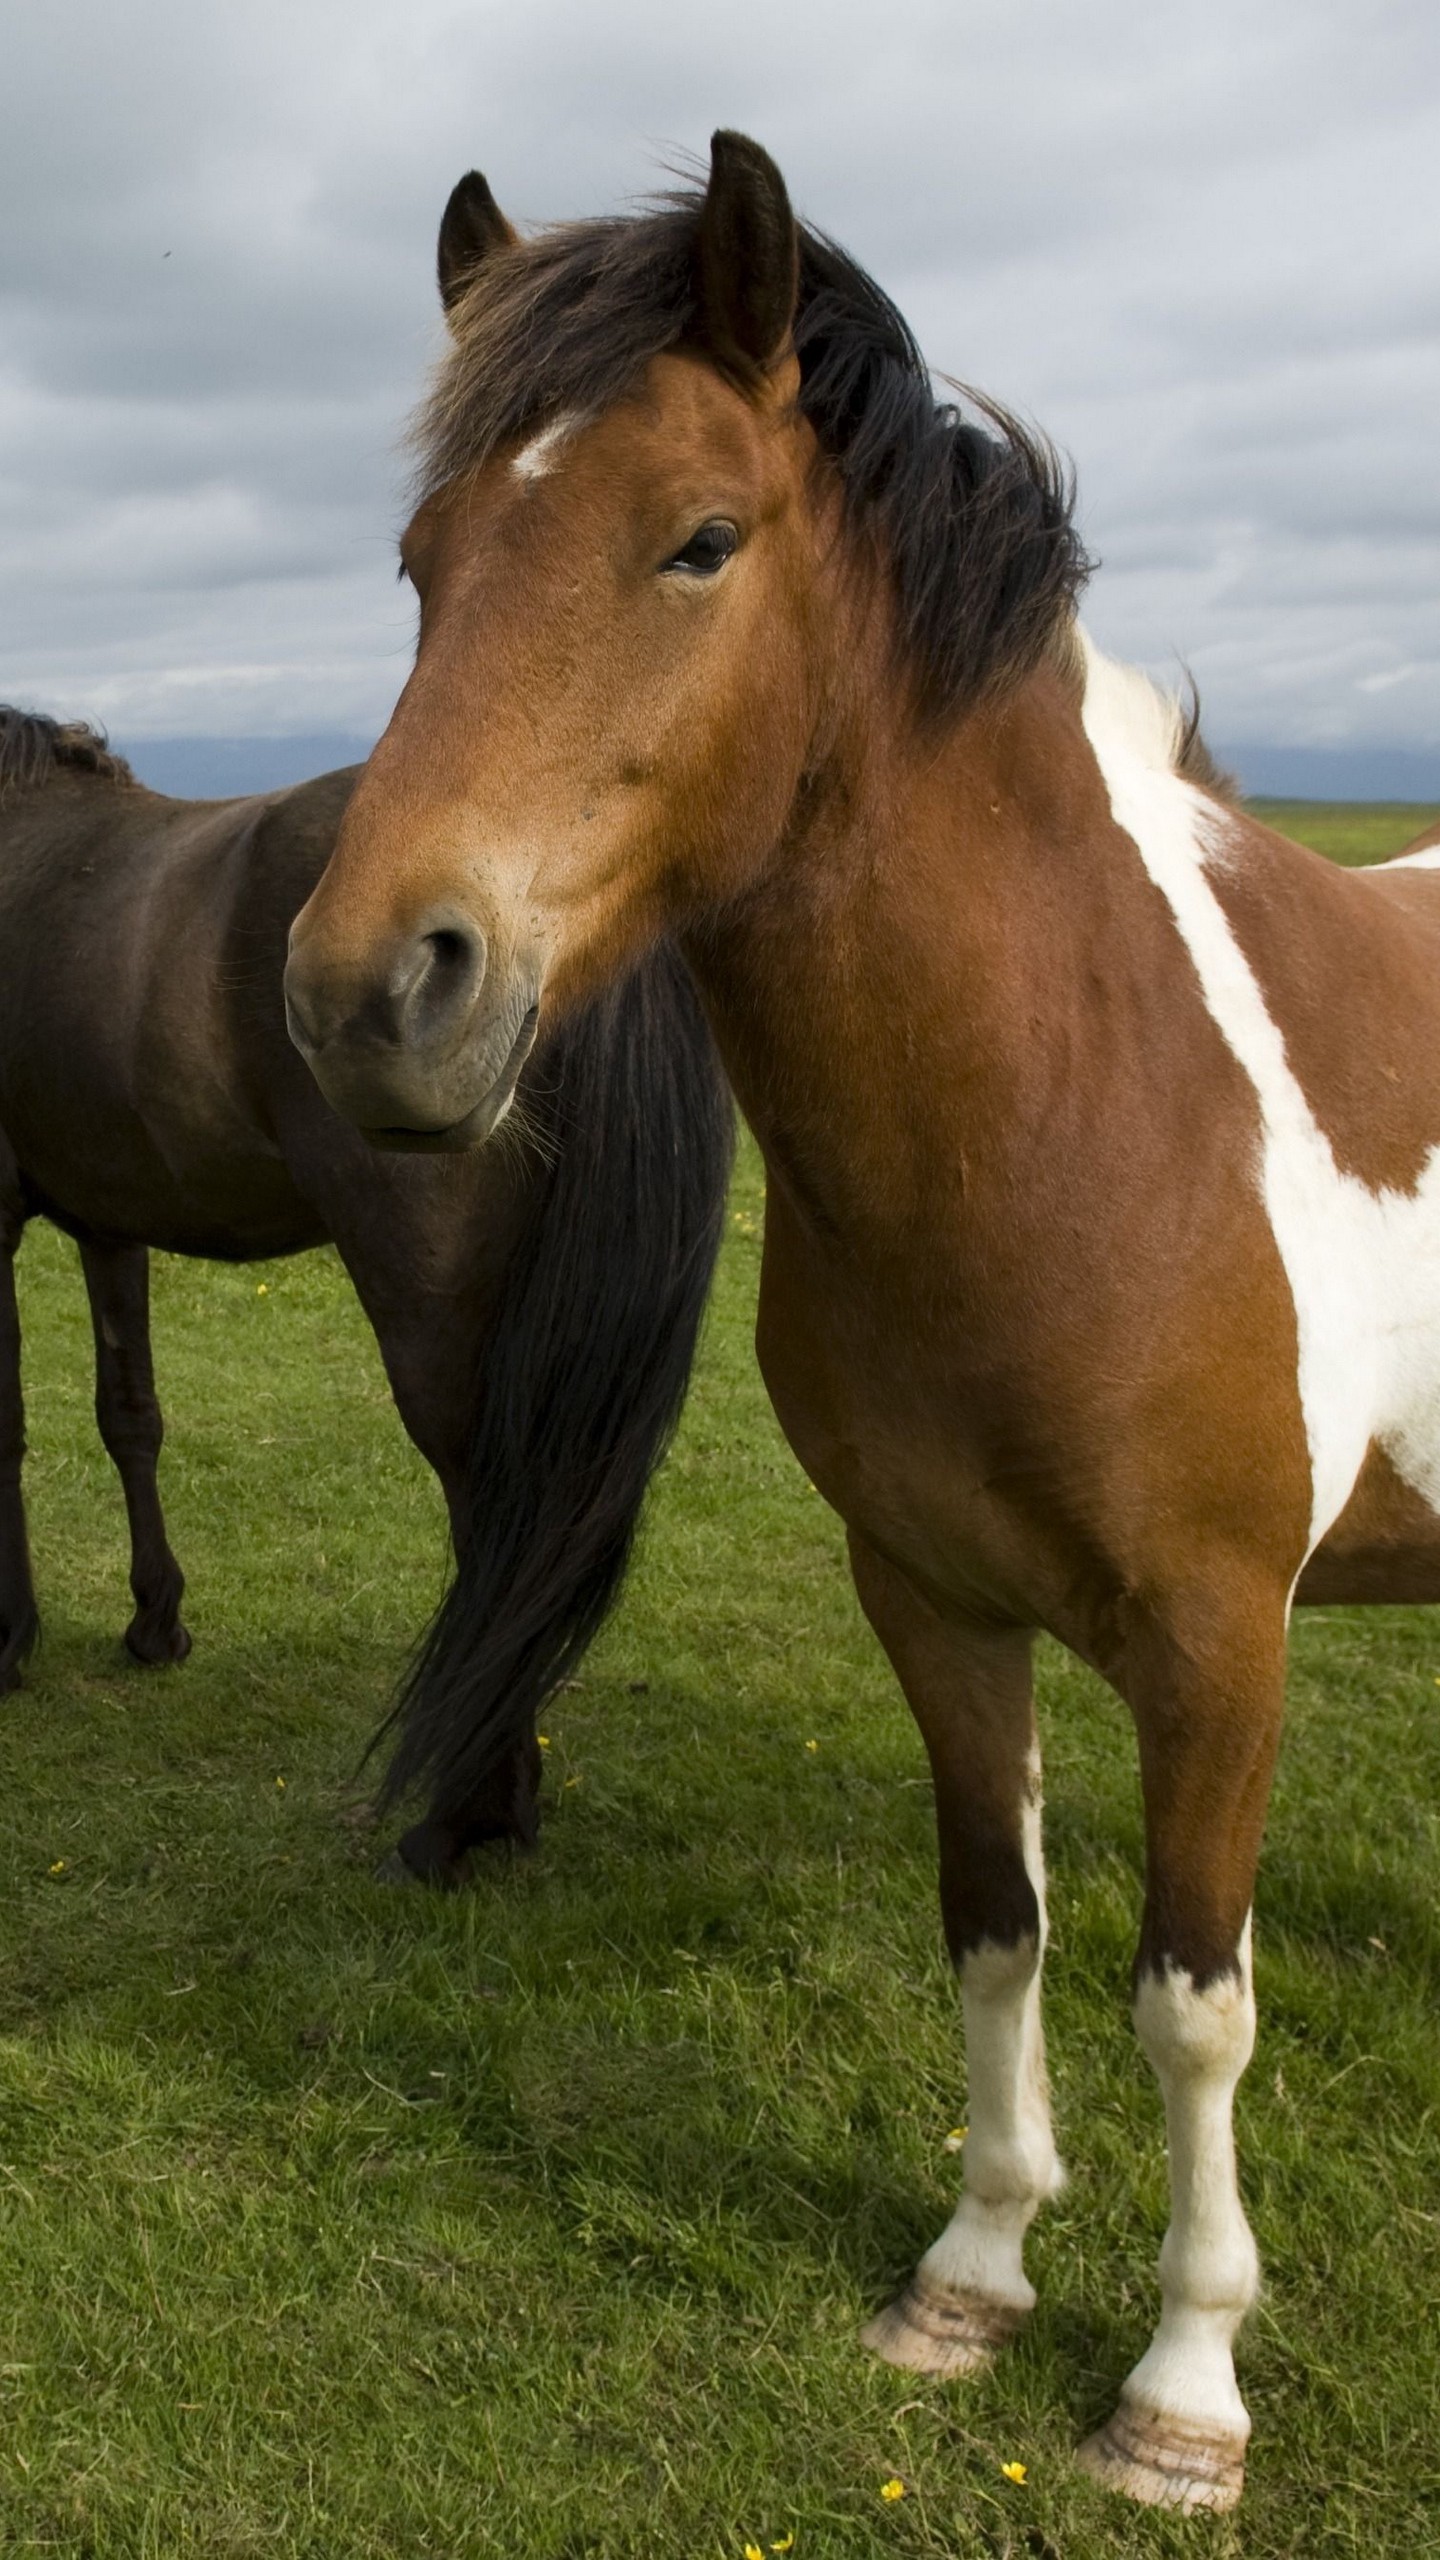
<point x="544" y="1741"/>
<point x="785" y="2543"/>
<point x="280" y="1783"/>
<point x="956" y="2141"/>
<point x="60" y="1866"/>
<point x="812" y="1746"/>
<point x="890" y="2490"/>
<point x="1014" y="2471"/>
<point x="753" y="2551"/>
<point x="262" y="1289"/>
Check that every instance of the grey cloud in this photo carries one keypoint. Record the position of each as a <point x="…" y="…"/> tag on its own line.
<point x="1199" y="247"/>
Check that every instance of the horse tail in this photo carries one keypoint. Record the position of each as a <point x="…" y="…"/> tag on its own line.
<point x="580" y="1385"/>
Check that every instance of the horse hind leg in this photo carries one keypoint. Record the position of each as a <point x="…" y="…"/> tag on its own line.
<point x="436" y="1849"/>
<point x="429" y="1364"/>
<point x="1209" y="1724"/>
<point x="969" y="1687"/>
<point x="117" y="1277"/>
<point x="19" y="1619"/>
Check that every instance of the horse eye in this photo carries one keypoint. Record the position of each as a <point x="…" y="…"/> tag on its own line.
<point x="707" y="550"/>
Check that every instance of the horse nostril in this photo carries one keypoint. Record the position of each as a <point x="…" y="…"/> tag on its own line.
<point x="299" y="1020"/>
<point x="442" y="980"/>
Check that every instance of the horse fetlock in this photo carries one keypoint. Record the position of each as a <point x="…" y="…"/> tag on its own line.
<point x="980" y="2253"/>
<point x="1187" y="2372"/>
<point x="418" y="1858"/>
<point x="154" y="1637"/>
<point x="438" y="1850"/>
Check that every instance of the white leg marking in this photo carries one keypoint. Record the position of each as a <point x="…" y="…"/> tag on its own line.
<point x="1198" y="2043"/>
<point x="970" y="2291"/>
<point x="1178" y="2436"/>
<point x="1010" y="2163"/>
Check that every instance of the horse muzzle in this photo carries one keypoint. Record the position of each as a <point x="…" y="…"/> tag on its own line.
<point x="423" y="1048"/>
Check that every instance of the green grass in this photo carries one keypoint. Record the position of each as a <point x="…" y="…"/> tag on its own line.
<point x="1350" y="831"/>
<point x="339" y="2220"/>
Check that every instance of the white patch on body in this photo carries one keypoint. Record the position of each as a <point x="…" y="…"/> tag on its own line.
<point x="1427" y="859"/>
<point x="1363" y="1265"/>
<point x="538" y="458"/>
<point x="1010" y="2161"/>
<point x="1198" y="2043"/>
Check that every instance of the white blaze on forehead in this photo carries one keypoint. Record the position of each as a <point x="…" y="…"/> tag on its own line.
<point x="1363" y="1265"/>
<point x="535" y="459"/>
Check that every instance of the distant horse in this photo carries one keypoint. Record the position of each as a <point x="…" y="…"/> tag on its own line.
<point x="536" y="1305"/>
<point x="1101" y="1283"/>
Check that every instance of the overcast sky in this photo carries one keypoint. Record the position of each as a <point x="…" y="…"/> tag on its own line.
<point x="1199" y="244"/>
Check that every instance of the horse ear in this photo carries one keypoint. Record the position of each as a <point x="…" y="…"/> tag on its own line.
<point x="747" y="257"/>
<point x="471" y="226"/>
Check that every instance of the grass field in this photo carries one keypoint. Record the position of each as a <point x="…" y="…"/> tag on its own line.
<point x="1349" y="831"/>
<point x="341" y="2220"/>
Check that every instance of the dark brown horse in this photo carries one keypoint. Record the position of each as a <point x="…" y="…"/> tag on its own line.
<point x="536" y="1305"/>
<point x="1102" y="1262"/>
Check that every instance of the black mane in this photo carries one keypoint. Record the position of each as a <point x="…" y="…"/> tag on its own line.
<point x="974" y="517"/>
<point x="33" y="747"/>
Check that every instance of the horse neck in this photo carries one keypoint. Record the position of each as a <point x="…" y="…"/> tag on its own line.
<point x="887" y="983"/>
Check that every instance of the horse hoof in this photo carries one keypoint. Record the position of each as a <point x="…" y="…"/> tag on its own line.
<point x="145" y="1645"/>
<point x="391" y="1869"/>
<point x="442" y="1875"/>
<point x="926" y="2331"/>
<point x="1162" y="2463"/>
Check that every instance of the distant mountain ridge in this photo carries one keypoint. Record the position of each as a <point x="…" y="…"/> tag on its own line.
<point x="1334" y="773"/>
<point x="214" y="768"/>
<point x="224" y="768"/>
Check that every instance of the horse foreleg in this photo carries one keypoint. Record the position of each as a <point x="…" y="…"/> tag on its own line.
<point x="117" y="1277"/>
<point x="1207" y="1705"/>
<point x="19" y="1621"/>
<point x="969" y="1687"/>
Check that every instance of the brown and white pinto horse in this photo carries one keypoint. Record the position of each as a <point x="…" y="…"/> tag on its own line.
<point x="1102" y="1263"/>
